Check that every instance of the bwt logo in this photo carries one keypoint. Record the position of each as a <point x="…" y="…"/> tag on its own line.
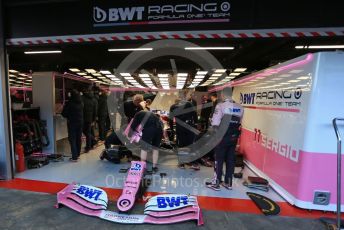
<point x="136" y="167"/>
<point x="118" y="14"/>
<point x="89" y="193"/>
<point x="164" y="202"/>
<point x="247" y="98"/>
<point x="235" y="110"/>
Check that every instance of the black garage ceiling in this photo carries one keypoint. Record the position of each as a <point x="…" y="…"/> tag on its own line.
<point x="254" y="54"/>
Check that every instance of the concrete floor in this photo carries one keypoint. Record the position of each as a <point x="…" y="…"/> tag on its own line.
<point x="27" y="210"/>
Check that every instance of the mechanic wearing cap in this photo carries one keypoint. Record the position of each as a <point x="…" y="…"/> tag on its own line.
<point x="226" y="122"/>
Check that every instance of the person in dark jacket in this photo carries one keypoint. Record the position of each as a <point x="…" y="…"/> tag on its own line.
<point x="132" y="107"/>
<point x="152" y="131"/>
<point x="207" y="107"/>
<point x="90" y="112"/>
<point x="73" y="111"/>
<point x="213" y="98"/>
<point x="186" y="119"/>
<point x="102" y="115"/>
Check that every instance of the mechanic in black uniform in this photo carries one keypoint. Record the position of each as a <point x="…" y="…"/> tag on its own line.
<point x="132" y="107"/>
<point x="73" y="111"/>
<point x="90" y="113"/>
<point x="152" y="131"/>
<point x="102" y="114"/>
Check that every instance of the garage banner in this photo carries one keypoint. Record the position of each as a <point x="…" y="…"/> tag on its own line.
<point x="158" y="14"/>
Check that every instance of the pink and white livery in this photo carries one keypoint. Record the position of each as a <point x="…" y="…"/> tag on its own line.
<point x="287" y="133"/>
<point x="92" y="201"/>
<point x="131" y="186"/>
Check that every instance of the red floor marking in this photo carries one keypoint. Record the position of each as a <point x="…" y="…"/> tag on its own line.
<point x="207" y="203"/>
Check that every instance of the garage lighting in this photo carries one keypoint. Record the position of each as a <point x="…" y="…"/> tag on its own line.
<point x="303" y="78"/>
<point x="240" y="69"/>
<point x="217" y="74"/>
<point x="74" y="70"/>
<point x="202" y="72"/>
<point x="210" y="48"/>
<point x="144" y="75"/>
<point x="130" y="49"/>
<point x="182" y="74"/>
<point x="125" y="74"/>
<point x="44" y="52"/>
<point x="293" y="81"/>
<point x="220" y="70"/>
<point x="320" y="47"/>
<point x="199" y="77"/>
<point x="82" y="74"/>
<point x="111" y="76"/>
<point x="96" y="74"/>
<point x="129" y="78"/>
<point x="90" y="70"/>
<point x="13" y="71"/>
<point x="102" y="77"/>
<point x="234" y="74"/>
<point x="88" y="77"/>
<point x="105" y="72"/>
<point x="162" y="75"/>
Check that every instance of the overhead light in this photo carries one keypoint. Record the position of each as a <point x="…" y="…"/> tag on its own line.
<point x="11" y="75"/>
<point x="130" y="49"/>
<point x="293" y="81"/>
<point x="220" y="70"/>
<point x="92" y="79"/>
<point x="90" y="70"/>
<point x="96" y="74"/>
<point x="240" y="69"/>
<point x="213" y="78"/>
<point x="23" y="74"/>
<point x="74" y="70"/>
<point x="202" y="72"/>
<point x="105" y="72"/>
<point x="88" y="77"/>
<point x="234" y="74"/>
<point x="303" y="78"/>
<point x="111" y="76"/>
<point x="199" y="77"/>
<point x="102" y="77"/>
<point x="162" y="75"/>
<point x="129" y="78"/>
<point x="21" y="78"/>
<point x="217" y="74"/>
<point x="13" y="71"/>
<point x="144" y="75"/>
<point x="182" y="74"/>
<point x="29" y="80"/>
<point x="229" y="77"/>
<point x="210" y="48"/>
<point x="44" y="52"/>
<point x="320" y="47"/>
<point x="125" y="74"/>
<point x="284" y="83"/>
<point x="82" y="74"/>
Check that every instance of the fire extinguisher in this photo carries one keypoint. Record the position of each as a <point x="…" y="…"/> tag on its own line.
<point x="20" y="158"/>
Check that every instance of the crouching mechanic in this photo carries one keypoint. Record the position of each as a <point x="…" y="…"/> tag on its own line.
<point x="226" y="122"/>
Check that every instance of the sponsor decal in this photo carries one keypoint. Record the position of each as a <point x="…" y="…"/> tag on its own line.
<point x="280" y="98"/>
<point x="90" y="193"/>
<point x="277" y="146"/>
<point x="206" y="11"/>
<point x="164" y="202"/>
<point x="136" y="167"/>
